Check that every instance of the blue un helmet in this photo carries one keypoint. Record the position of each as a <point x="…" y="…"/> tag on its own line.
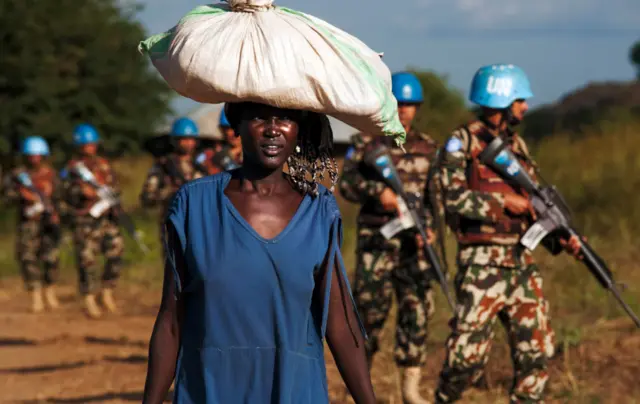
<point x="85" y="134"/>
<point x="184" y="127"/>
<point x="498" y="86"/>
<point x="223" y="122"/>
<point x="35" y="146"/>
<point x="406" y="88"/>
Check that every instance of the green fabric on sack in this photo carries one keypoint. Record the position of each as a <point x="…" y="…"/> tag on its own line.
<point x="156" y="46"/>
<point x="389" y="107"/>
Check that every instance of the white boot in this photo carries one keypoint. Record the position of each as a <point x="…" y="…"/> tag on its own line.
<point x="108" y="301"/>
<point x="410" y="386"/>
<point x="37" y="304"/>
<point x="51" y="298"/>
<point x="91" y="307"/>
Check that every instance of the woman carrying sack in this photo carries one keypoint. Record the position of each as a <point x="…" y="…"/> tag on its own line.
<point x="255" y="278"/>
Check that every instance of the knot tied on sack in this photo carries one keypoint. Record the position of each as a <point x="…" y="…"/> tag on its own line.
<point x="250" y="6"/>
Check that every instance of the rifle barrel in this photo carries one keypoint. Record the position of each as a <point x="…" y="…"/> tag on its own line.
<point x="616" y="293"/>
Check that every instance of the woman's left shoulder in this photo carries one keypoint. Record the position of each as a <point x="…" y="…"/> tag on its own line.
<point x="327" y="201"/>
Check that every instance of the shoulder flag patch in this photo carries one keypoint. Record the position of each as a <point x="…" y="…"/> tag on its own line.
<point x="202" y="157"/>
<point x="453" y="145"/>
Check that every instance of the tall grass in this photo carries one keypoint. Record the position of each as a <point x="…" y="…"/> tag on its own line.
<point x="599" y="175"/>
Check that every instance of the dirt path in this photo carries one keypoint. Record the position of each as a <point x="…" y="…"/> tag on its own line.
<point x="63" y="357"/>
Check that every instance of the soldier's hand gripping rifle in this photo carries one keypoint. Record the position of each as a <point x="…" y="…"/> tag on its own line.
<point x="108" y="199"/>
<point x="554" y="217"/>
<point x="379" y="159"/>
<point x="43" y="206"/>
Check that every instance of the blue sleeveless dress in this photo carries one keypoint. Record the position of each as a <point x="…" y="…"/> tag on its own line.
<point x="251" y="332"/>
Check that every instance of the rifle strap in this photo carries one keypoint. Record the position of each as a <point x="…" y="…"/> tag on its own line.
<point x="465" y="135"/>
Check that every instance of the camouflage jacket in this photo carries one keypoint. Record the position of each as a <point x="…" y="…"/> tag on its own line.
<point x="476" y="207"/>
<point x="165" y="177"/>
<point x="45" y="180"/>
<point x="78" y="203"/>
<point x="361" y="184"/>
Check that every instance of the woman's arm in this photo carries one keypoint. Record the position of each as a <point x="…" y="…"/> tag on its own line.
<point x="165" y="340"/>
<point x="345" y="339"/>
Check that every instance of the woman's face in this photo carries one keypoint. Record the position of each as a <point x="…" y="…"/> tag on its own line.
<point x="269" y="135"/>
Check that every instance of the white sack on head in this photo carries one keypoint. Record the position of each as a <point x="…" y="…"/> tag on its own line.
<point x="250" y="50"/>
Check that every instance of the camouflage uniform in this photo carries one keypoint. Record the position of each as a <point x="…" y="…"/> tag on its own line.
<point x="36" y="242"/>
<point x="497" y="278"/>
<point x="394" y="265"/>
<point x="94" y="235"/>
<point x="163" y="180"/>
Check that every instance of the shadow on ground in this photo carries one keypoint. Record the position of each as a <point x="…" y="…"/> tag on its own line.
<point x="132" y="396"/>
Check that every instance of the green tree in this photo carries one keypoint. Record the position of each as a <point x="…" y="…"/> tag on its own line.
<point x="634" y="56"/>
<point x="443" y="108"/>
<point x="70" y="61"/>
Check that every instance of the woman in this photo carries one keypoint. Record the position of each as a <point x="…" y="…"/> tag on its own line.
<point x="255" y="279"/>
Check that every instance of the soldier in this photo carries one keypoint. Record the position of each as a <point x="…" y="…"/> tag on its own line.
<point x="172" y="170"/>
<point x="36" y="189"/>
<point x="497" y="278"/>
<point x="94" y="221"/>
<point x="233" y="141"/>
<point x="232" y="146"/>
<point x="397" y="264"/>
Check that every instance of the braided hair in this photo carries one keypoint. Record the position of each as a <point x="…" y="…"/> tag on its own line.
<point x="313" y="155"/>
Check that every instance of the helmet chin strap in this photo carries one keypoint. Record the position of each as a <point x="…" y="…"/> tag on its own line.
<point x="506" y="116"/>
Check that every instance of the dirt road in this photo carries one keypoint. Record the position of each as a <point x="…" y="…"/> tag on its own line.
<point x="62" y="357"/>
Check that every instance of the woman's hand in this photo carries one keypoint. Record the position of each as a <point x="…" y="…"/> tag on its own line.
<point x="343" y="335"/>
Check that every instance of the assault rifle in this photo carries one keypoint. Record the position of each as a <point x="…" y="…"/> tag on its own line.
<point x="42" y="206"/>
<point x="108" y="199"/>
<point x="379" y="159"/>
<point x="554" y="217"/>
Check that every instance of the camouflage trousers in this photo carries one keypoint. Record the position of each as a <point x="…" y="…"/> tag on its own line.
<point x="92" y="237"/>
<point x="35" y="247"/>
<point x="385" y="267"/>
<point x="513" y="296"/>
